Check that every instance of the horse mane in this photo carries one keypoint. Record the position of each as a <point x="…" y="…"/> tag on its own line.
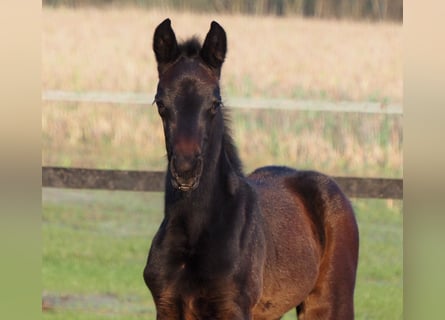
<point x="229" y="147"/>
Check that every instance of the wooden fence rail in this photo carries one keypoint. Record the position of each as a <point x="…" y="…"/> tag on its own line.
<point x="232" y="102"/>
<point x="77" y="178"/>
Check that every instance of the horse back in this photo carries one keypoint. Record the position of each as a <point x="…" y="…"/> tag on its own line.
<point x="315" y="198"/>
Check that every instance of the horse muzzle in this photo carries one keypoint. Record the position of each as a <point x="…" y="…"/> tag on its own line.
<point x="186" y="172"/>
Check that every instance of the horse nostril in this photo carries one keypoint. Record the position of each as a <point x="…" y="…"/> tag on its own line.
<point x="184" y="164"/>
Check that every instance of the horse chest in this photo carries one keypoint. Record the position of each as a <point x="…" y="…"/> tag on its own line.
<point x="193" y="284"/>
<point x="202" y="263"/>
<point x="177" y="260"/>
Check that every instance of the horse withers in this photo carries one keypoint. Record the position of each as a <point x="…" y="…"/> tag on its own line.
<point x="232" y="246"/>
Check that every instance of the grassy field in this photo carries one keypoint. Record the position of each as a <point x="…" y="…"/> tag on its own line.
<point x="95" y="242"/>
<point x="124" y="137"/>
<point x="95" y="245"/>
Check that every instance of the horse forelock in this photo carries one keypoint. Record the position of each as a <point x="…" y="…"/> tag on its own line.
<point x="190" y="48"/>
<point x="188" y="64"/>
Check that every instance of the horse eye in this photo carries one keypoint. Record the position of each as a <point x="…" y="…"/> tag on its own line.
<point x="161" y="108"/>
<point x="215" y="106"/>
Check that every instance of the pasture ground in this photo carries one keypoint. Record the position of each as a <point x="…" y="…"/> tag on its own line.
<point x="95" y="244"/>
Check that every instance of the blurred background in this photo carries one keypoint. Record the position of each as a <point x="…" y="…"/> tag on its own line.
<point x="357" y="9"/>
<point x="322" y="53"/>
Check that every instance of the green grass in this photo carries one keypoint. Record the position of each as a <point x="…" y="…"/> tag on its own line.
<point x="95" y="245"/>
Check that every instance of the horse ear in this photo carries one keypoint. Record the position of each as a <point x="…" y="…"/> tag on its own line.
<point x="214" y="48"/>
<point x="165" y="45"/>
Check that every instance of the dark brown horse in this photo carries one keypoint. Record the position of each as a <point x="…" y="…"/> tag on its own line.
<point x="230" y="246"/>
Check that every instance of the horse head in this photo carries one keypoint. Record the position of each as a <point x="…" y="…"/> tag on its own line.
<point x="189" y="102"/>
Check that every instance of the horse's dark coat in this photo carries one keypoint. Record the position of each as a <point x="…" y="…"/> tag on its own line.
<point x="230" y="246"/>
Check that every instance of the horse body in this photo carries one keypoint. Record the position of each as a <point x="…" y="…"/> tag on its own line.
<point x="312" y="247"/>
<point x="230" y="246"/>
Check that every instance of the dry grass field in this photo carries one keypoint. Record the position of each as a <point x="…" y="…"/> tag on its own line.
<point x="110" y="50"/>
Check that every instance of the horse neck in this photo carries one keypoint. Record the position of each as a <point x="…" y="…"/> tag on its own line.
<point x="222" y="170"/>
<point x="219" y="183"/>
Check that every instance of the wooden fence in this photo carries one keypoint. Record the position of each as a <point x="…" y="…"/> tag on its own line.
<point x="232" y="102"/>
<point x="79" y="178"/>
